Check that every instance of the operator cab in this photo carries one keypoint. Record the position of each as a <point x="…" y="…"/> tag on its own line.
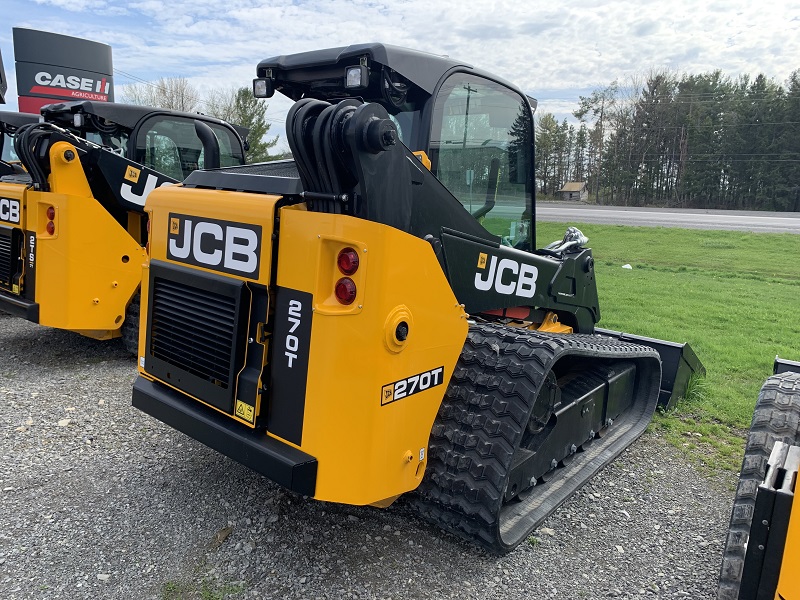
<point x="476" y="129"/>
<point x="10" y="122"/>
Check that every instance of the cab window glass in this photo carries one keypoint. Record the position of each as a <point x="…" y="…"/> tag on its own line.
<point x="230" y="151"/>
<point x="8" y="153"/>
<point x="117" y="143"/>
<point x="171" y="146"/>
<point x="480" y="149"/>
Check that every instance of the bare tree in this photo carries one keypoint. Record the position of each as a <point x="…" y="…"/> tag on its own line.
<point x="175" y="93"/>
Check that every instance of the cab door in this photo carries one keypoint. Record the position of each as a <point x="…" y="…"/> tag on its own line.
<point x="481" y="149"/>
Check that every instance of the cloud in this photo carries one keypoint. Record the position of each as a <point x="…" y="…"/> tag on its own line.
<point x="568" y="46"/>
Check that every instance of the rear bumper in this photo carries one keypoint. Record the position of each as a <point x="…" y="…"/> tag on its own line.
<point x="283" y="464"/>
<point x="19" y="307"/>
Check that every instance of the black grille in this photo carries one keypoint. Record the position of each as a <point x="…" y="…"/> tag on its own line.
<point x="10" y="264"/>
<point x="194" y="330"/>
<point x="277" y="168"/>
<point x="5" y="257"/>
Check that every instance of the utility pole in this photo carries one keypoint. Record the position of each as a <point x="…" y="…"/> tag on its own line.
<point x="466" y="113"/>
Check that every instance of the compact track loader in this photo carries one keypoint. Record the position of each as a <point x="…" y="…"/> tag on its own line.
<point x="761" y="558"/>
<point x="374" y="318"/>
<point x="72" y="221"/>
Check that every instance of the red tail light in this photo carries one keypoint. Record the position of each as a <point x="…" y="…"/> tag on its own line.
<point x="347" y="261"/>
<point x="345" y="290"/>
<point x="51" y="213"/>
<point x="51" y="227"/>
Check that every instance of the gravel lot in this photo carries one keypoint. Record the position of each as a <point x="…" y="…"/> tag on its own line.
<point x="101" y="501"/>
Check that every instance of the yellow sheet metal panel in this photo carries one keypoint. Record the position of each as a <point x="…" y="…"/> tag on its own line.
<point x="171" y="206"/>
<point x="371" y="398"/>
<point x="789" y="582"/>
<point x="88" y="268"/>
<point x="175" y="214"/>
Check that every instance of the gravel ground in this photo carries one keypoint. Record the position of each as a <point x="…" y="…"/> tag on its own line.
<point x="102" y="501"/>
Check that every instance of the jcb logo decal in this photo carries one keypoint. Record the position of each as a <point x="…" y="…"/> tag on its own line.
<point x="409" y="386"/>
<point x="132" y="174"/>
<point x="9" y="210"/>
<point x="224" y="246"/>
<point x="387" y="394"/>
<point x="507" y="277"/>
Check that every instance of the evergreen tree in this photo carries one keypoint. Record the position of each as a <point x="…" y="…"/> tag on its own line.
<point x="240" y="107"/>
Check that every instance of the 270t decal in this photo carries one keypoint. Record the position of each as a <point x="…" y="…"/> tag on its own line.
<point x="409" y="386"/>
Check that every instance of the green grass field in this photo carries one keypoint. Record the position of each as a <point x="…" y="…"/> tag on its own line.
<point x="734" y="296"/>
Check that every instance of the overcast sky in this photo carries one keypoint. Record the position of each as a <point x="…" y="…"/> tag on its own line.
<point x="555" y="51"/>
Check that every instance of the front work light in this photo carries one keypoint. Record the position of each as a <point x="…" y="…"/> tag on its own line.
<point x="262" y="88"/>
<point x="356" y="77"/>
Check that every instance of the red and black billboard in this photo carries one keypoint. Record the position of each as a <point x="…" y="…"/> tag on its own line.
<point x="53" y="67"/>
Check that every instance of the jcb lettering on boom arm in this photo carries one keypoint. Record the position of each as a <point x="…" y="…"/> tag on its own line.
<point x="126" y="190"/>
<point x="524" y="285"/>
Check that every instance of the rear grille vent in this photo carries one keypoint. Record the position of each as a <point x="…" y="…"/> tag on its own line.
<point x="194" y="330"/>
<point x="5" y="258"/>
<point x="10" y="241"/>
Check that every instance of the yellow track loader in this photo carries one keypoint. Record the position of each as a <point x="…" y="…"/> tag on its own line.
<point x="72" y="222"/>
<point x="374" y="317"/>
<point x="761" y="558"/>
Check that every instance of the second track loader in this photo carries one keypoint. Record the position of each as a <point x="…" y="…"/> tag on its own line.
<point x="72" y="221"/>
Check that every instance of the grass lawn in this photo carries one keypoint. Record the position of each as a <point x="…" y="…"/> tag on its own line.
<point x="734" y="296"/>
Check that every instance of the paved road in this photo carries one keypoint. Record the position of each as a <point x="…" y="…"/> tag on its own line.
<point x="761" y="222"/>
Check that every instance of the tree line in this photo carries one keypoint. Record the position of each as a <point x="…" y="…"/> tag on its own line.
<point x="697" y="141"/>
<point x="234" y="105"/>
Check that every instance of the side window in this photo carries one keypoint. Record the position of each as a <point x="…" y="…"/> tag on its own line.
<point x="117" y="142"/>
<point x="230" y="150"/>
<point x="171" y="146"/>
<point x="163" y="155"/>
<point x="8" y="153"/>
<point x="481" y="150"/>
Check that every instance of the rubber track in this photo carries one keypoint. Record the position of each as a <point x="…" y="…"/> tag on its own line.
<point x="130" y="326"/>
<point x="776" y="419"/>
<point x="481" y="420"/>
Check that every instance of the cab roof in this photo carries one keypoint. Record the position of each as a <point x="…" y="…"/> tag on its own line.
<point x="422" y="68"/>
<point x="17" y="119"/>
<point x="125" y="115"/>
